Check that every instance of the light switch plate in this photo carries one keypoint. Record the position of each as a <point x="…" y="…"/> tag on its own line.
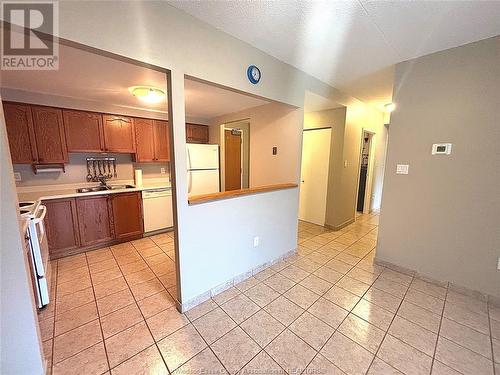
<point x="17" y="176"/>
<point x="345" y="163"/>
<point x="256" y="241"/>
<point x="402" y="168"/>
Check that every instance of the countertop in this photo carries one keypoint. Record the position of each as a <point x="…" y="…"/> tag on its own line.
<point x="47" y="192"/>
<point x="197" y="199"/>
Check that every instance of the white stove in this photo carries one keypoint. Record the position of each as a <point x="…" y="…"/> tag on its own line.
<point x="37" y="248"/>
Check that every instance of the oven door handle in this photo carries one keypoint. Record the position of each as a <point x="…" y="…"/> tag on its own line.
<point x="38" y="220"/>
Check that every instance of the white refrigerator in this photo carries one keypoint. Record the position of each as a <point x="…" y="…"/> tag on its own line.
<point x="202" y="169"/>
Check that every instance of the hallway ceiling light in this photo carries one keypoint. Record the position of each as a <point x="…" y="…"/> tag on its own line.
<point x="147" y="94"/>
<point x="389" y="107"/>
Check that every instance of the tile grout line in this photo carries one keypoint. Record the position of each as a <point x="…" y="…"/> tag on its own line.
<point x="98" y="315"/>
<point x="55" y="313"/>
<point x="349" y="311"/>
<point x="491" y="339"/>
<point x="155" y="343"/>
<point x="388" y="328"/>
<point x="439" y="328"/>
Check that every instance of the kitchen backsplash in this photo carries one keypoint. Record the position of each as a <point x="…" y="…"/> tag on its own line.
<point x="76" y="171"/>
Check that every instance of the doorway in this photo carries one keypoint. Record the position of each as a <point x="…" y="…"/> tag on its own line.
<point x="233" y="141"/>
<point x="314" y="173"/>
<point x="365" y="172"/>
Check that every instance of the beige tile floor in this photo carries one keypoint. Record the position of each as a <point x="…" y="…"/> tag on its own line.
<point x="328" y="310"/>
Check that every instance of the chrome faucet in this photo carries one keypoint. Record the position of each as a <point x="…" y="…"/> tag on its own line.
<point x="102" y="180"/>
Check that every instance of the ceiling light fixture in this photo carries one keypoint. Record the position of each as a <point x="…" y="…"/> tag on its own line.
<point x="147" y="94"/>
<point x="389" y="107"/>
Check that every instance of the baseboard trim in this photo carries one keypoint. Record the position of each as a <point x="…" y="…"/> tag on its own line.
<point x="340" y="226"/>
<point x="193" y="302"/>
<point x="493" y="300"/>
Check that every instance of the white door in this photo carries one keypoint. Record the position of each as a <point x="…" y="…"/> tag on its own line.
<point x="203" y="182"/>
<point x="202" y="156"/>
<point x="314" y="170"/>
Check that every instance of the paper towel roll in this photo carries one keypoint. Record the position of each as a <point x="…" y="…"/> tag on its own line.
<point x="138" y="177"/>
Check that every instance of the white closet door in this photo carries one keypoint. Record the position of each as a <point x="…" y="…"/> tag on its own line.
<point x="314" y="181"/>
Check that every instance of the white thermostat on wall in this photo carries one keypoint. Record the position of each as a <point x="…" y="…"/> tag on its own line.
<point x="441" y="149"/>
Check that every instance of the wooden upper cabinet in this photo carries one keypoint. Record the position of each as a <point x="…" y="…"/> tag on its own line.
<point x="49" y="134"/>
<point x="152" y="140"/>
<point x="20" y="132"/>
<point x="196" y="133"/>
<point x="127" y="215"/>
<point x="161" y="140"/>
<point x="61" y="224"/>
<point x="84" y="131"/>
<point x="95" y="220"/>
<point x="119" y="134"/>
<point x="144" y="138"/>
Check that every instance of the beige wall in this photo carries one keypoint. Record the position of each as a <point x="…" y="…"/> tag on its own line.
<point x="443" y="218"/>
<point x="271" y="125"/>
<point x="76" y="171"/>
<point x="348" y="124"/>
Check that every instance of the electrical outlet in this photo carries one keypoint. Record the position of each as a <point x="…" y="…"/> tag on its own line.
<point x="256" y="241"/>
<point x="162" y="171"/>
<point x="17" y="176"/>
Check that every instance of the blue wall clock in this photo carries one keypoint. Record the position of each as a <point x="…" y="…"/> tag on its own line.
<point x="253" y="74"/>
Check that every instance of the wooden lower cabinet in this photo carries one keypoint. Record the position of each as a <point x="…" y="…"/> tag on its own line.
<point x="127" y="215"/>
<point x="95" y="220"/>
<point x="78" y="224"/>
<point x="61" y="223"/>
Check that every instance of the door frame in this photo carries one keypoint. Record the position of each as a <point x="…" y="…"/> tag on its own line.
<point x="222" y="168"/>
<point x="369" y="172"/>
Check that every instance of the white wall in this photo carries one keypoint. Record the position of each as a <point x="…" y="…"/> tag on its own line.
<point x="219" y="247"/>
<point x="20" y="351"/>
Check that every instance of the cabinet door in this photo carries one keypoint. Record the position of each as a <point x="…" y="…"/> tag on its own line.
<point x="19" y="123"/>
<point x="161" y="140"/>
<point x="94" y="220"/>
<point x="197" y="133"/>
<point x="61" y="223"/>
<point x="127" y="215"/>
<point x="49" y="135"/>
<point x="84" y="131"/>
<point x="119" y="134"/>
<point x="144" y="140"/>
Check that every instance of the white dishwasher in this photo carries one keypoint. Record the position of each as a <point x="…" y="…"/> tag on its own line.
<point x="157" y="208"/>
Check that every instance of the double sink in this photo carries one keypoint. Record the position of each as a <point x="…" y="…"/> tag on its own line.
<point x="103" y="188"/>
